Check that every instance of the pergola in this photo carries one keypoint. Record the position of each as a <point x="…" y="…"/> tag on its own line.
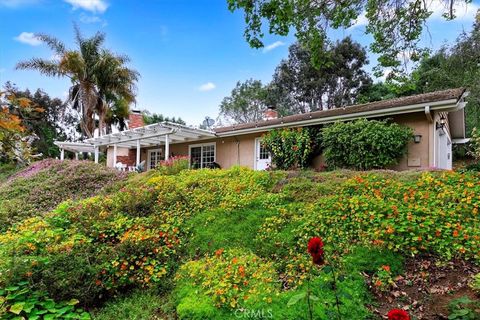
<point x="156" y="134"/>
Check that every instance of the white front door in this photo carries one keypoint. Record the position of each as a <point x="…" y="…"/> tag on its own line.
<point x="444" y="150"/>
<point x="262" y="156"/>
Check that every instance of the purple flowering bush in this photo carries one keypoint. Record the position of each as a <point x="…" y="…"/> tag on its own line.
<point x="40" y="187"/>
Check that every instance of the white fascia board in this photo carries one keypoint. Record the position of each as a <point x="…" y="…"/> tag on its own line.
<point x="445" y="105"/>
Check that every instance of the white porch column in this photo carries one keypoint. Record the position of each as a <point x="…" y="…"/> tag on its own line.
<point x="96" y="154"/>
<point x="167" y="147"/>
<point x="114" y="155"/>
<point x="62" y="154"/>
<point x="138" y="152"/>
<point x="76" y="155"/>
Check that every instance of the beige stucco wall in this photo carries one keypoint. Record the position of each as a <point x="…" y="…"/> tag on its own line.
<point x="240" y="150"/>
<point x="418" y="154"/>
<point x="230" y="151"/>
<point x="120" y="152"/>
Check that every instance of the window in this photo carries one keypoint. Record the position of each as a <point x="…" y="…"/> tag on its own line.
<point x="154" y="157"/>
<point x="202" y="155"/>
<point x="263" y="153"/>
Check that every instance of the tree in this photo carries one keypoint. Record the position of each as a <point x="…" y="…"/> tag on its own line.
<point x="99" y="78"/>
<point x="300" y="87"/>
<point x="396" y="26"/>
<point x="247" y="102"/>
<point x="452" y="66"/>
<point x="15" y="143"/>
<point x="48" y="125"/>
<point x="151" y="118"/>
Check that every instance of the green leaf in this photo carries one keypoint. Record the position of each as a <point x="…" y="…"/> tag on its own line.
<point x="294" y="299"/>
<point x="73" y="302"/>
<point x="17" y="307"/>
<point x="314" y="298"/>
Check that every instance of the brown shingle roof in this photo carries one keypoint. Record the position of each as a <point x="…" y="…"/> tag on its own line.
<point x="359" y="108"/>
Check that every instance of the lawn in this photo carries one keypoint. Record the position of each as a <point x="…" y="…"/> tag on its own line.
<point x="224" y="244"/>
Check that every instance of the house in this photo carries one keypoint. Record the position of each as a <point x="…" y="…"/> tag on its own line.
<point x="437" y="119"/>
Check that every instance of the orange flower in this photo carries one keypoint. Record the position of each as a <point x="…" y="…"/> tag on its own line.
<point x="219" y="252"/>
<point x="378" y="283"/>
<point x="455" y="233"/>
<point x="390" y="230"/>
<point x="386" y="268"/>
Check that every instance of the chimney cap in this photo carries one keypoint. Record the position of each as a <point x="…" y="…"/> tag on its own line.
<point x="136" y="111"/>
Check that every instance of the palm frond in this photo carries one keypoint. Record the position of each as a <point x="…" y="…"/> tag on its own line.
<point x="52" y="42"/>
<point x="47" y="67"/>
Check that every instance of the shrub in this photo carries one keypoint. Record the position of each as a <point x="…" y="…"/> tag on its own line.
<point x="364" y="144"/>
<point x="173" y="165"/>
<point x="475" y="144"/>
<point x="229" y="279"/>
<point x="292" y="148"/>
<point x="42" y="186"/>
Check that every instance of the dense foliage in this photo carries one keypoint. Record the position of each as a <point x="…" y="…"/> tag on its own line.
<point x="42" y="186"/>
<point x="396" y="27"/>
<point x="219" y="244"/>
<point x="364" y="144"/>
<point x="19" y="302"/>
<point x="299" y="87"/>
<point x="50" y="120"/>
<point x="475" y="145"/>
<point x="292" y="148"/>
<point x="151" y="118"/>
<point x="247" y="102"/>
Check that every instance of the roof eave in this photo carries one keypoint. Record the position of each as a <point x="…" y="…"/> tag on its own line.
<point x="443" y="105"/>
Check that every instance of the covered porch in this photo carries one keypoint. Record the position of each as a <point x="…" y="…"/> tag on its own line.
<point x="154" y="135"/>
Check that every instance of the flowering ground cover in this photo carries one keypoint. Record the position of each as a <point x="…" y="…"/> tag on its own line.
<point x="229" y="244"/>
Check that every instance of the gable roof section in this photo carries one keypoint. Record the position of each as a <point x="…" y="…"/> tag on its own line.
<point x="438" y="100"/>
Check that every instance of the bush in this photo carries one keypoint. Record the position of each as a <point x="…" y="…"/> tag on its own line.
<point x="173" y="165"/>
<point x="292" y="148"/>
<point x="42" y="186"/>
<point x="475" y="144"/>
<point x="229" y="280"/>
<point x="364" y="144"/>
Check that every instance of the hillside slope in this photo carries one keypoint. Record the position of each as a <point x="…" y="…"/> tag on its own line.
<point x="219" y="244"/>
<point x="42" y="186"/>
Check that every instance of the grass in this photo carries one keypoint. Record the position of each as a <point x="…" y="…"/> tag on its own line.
<point x="6" y="170"/>
<point x="213" y="230"/>
<point x="139" y="305"/>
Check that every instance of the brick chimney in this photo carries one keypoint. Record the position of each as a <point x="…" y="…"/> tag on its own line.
<point x="135" y="119"/>
<point x="270" y="113"/>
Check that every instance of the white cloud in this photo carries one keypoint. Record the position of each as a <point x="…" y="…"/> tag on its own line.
<point x="90" y="5"/>
<point x="28" y="38"/>
<point x="272" y="46"/>
<point x="207" y="87"/>
<point x="463" y="11"/>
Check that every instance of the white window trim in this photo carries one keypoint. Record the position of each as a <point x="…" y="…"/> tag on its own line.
<point x="190" y="146"/>
<point x="149" y="153"/>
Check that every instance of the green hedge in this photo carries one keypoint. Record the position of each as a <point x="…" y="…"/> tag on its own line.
<point x="364" y="144"/>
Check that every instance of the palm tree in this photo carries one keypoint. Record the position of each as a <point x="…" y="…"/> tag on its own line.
<point x="98" y="76"/>
<point x="116" y="84"/>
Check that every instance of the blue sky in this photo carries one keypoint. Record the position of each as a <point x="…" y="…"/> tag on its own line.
<point x="190" y="54"/>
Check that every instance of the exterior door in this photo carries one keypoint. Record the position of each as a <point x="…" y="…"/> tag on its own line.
<point x="262" y="156"/>
<point x="444" y="150"/>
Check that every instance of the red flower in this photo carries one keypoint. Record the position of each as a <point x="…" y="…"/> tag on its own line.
<point x="315" y="248"/>
<point x="398" y="314"/>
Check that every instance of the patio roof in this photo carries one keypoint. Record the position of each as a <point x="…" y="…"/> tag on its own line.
<point x="147" y="136"/>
